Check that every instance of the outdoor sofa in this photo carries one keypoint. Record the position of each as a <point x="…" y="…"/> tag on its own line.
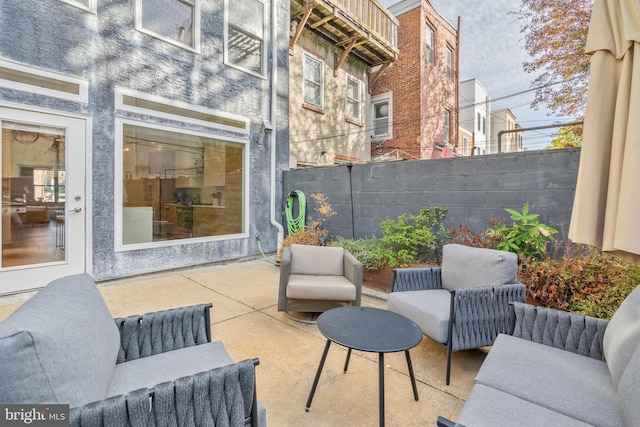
<point x="62" y="346"/>
<point x="560" y="369"/>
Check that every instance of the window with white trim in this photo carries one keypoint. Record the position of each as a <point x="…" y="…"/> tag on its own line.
<point x="429" y="45"/>
<point x="245" y="35"/>
<point x="177" y="185"/>
<point x="447" y="126"/>
<point x="465" y="146"/>
<point x="353" y="105"/>
<point x="175" y="21"/>
<point x="381" y="116"/>
<point x="88" y="5"/>
<point x="313" y="85"/>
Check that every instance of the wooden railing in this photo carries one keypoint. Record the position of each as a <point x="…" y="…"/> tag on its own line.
<point x="373" y="17"/>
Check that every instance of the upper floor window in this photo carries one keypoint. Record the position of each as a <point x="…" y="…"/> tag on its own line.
<point x="465" y="146"/>
<point x="313" y="75"/>
<point x="447" y="126"/>
<point x="175" y="21"/>
<point x="449" y="63"/>
<point x="381" y="116"/>
<point x="88" y="5"/>
<point x="429" y="45"/>
<point x="479" y="122"/>
<point x="245" y="35"/>
<point x="353" y="99"/>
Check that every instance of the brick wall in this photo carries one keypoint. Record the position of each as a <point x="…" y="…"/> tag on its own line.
<point x="421" y="90"/>
<point x="474" y="190"/>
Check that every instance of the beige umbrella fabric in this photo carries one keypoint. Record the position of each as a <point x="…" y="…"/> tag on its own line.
<point x="606" y="208"/>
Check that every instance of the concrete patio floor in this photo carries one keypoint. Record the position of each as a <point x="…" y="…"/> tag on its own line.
<point x="245" y="318"/>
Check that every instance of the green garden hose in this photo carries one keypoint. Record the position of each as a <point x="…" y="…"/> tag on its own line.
<point x="296" y="224"/>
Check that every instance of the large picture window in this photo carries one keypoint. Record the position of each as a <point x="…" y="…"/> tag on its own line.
<point x="176" y="21"/>
<point x="179" y="185"/>
<point x="313" y="91"/>
<point x="245" y="34"/>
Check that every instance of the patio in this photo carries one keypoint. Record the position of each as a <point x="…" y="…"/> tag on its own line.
<point x="245" y="318"/>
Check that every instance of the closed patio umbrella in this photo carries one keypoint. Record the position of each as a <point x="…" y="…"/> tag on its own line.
<point x="606" y="208"/>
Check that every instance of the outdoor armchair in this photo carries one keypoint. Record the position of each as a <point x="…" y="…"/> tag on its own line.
<point x="465" y="303"/>
<point x="317" y="278"/>
<point x="62" y="346"/>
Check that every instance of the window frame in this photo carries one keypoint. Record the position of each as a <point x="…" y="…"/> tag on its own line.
<point x="307" y="55"/>
<point x="227" y="60"/>
<point x="196" y="26"/>
<point x="120" y="105"/>
<point x="378" y="99"/>
<point x="91" y="5"/>
<point x="119" y="246"/>
<point x="446" y="135"/>
<point x="55" y="79"/>
<point x="449" y="62"/>
<point x="430" y="45"/>
<point x="358" y="101"/>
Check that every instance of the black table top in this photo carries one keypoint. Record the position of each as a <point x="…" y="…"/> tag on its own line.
<point x="369" y="329"/>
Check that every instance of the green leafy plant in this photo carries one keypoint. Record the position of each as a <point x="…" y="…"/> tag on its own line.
<point x="527" y="237"/>
<point x="369" y="251"/>
<point x="415" y="237"/>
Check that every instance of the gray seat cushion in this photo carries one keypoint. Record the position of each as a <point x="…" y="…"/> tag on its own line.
<point x="467" y="267"/>
<point x="149" y="371"/>
<point x="330" y="288"/>
<point x="488" y="407"/>
<point x="60" y="346"/>
<point x="622" y="335"/>
<point x="577" y="386"/>
<point x="429" y="309"/>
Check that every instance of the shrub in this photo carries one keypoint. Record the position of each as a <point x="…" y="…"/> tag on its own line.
<point x="464" y="235"/>
<point x="527" y="237"/>
<point x="369" y="251"/>
<point x="583" y="280"/>
<point x="414" y="237"/>
<point x="314" y="233"/>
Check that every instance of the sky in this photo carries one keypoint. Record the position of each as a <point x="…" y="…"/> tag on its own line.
<point x="492" y="51"/>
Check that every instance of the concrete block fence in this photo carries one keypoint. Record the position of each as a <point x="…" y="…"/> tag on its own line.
<point x="474" y="190"/>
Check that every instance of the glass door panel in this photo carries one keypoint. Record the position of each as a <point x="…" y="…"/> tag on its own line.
<point x="38" y="219"/>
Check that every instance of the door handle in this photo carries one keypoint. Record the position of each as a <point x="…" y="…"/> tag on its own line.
<point x="76" y="210"/>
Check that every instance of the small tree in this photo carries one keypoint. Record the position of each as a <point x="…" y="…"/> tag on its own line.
<point x="555" y="36"/>
<point x="570" y="136"/>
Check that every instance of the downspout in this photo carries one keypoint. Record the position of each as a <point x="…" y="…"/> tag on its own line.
<point x="274" y="102"/>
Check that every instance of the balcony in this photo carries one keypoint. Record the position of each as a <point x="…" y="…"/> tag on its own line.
<point x="363" y="28"/>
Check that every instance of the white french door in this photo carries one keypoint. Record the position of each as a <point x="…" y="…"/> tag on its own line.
<point x="43" y="198"/>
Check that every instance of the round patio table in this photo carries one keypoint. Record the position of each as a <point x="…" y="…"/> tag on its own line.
<point x="372" y="330"/>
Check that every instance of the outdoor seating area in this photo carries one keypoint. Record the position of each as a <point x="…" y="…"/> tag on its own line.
<point x="245" y="319"/>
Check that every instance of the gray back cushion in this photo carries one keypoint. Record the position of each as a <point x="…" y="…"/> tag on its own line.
<point x="317" y="260"/>
<point x="59" y="347"/>
<point x="467" y="267"/>
<point x="622" y="335"/>
<point x="629" y="390"/>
